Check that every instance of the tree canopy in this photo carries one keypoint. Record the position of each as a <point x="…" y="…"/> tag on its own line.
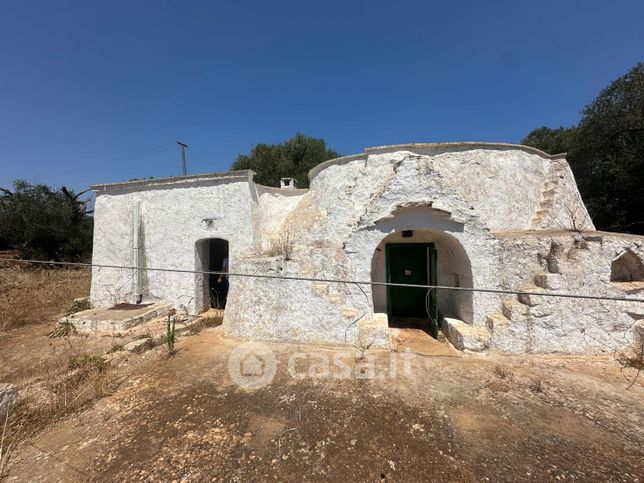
<point x="292" y="158"/>
<point x="43" y="223"/>
<point x="606" y="153"/>
<point x="551" y="141"/>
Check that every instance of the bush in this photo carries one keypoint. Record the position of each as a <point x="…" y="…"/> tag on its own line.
<point x="45" y="224"/>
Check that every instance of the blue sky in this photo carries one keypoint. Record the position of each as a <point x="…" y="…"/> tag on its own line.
<point x="88" y="83"/>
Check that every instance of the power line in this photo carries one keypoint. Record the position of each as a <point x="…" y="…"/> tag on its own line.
<point x="331" y="280"/>
<point x="119" y="159"/>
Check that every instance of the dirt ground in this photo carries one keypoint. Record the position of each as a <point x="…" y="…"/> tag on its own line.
<point x="91" y="411"/>
<point x="453" y="417"/>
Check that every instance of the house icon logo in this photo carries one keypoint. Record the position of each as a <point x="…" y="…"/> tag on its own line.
<point x="252" y="365"/>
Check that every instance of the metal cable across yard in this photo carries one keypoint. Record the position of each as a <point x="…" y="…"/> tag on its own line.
<point x="332" y="280"/>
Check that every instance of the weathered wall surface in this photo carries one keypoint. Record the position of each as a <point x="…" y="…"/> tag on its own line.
<point x="564" y="262"/>
<point x="273" y="205"/>
<point x="173" y="218"/>
<point x="459" y="200"/>
<point x="475" y="202"/>
<point x="355" y="204"/>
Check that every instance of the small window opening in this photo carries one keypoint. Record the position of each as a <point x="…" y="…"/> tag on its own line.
<point x="628" y="267"/>
<point x="408" y="233"/>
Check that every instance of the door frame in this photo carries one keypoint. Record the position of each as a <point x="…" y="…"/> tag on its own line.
<point x="432" y="279"/>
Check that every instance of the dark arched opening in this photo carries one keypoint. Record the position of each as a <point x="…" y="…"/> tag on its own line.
<point x="213" y="256"/>
<point x="423" y="257"/>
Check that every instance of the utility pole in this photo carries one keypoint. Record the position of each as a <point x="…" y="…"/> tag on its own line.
<point x="184" y="169"/>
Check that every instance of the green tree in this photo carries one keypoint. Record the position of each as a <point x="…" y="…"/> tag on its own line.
<point x="606" y="153"/>
<point x="551" y="141"/>
<point x="290" y="159"/>
<point x="45" y="224"/>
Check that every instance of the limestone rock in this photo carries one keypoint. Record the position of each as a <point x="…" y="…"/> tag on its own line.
<point x="374" y="332"/>
<point x="530" y="299"/>
<point x="496" y="322"/>
<point x="465" y="336"/>
<point x="139" y="345"/>
<point x="550" y="281"/>
<point x="8" y="397"/>
<point x="513" y="309"/>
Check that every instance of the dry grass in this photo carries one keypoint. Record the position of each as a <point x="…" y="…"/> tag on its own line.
<point x="212" y="318"/>
<point x="502" y="373"/>
<point x="282" y="246"/>
<point x="70" y="378"/>
<point x="63" y="376"/>
<point x="633" y="357"/>
<point x="35" y="295"/>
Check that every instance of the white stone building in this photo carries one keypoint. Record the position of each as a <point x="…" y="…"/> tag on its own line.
<point x="462" y="215"/>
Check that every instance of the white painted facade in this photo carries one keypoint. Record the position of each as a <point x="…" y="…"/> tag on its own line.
<point x="493" y="212"/>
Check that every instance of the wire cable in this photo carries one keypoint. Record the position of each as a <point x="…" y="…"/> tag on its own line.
<point x="119" y="159"/>
<point x="332" y="280"/>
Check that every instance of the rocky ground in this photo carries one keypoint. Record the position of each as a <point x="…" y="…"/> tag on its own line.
<point x="453" y="417"/>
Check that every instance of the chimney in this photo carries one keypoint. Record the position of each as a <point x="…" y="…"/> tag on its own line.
<point x="287" y="183"/>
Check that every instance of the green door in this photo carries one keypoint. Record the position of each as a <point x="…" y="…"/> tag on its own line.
<point x="412" y="263"/>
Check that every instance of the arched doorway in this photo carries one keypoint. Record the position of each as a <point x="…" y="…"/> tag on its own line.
<point x="213" y="256"/>
<point x="421" y="257"/>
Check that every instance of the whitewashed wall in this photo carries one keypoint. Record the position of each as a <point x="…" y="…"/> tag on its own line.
<point x="476" y="201"/>
<point x="174" y="216"/>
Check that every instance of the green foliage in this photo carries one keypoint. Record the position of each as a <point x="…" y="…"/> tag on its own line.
<point x="291" y="159"/>
<point x="116" y="348"/>
<point x="78" y="305"/>
<point x="551" y="141"/>
<point x="63" y="329"/>
<point x="606" y="153"/>
<point x="88" y="363"/>
<point x="170" y="337"/>
<point x="43" y="223"/>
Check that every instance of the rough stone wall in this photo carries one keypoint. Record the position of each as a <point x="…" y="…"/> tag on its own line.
<point x="564" y="262"/>
<point x="354" y="204"/>
<point x="465" y="198"/>
<point x="462" y="198"/>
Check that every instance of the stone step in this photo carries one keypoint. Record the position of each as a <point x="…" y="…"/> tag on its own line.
<point x="549" y="281"/>
<point x="466" y="336"/>
<point x="496" y="322"/>
<point x="529" y="299"/>
<point x="549" y="193"/>
<point x="512" y="309"/>
<point x="546" y="203"/>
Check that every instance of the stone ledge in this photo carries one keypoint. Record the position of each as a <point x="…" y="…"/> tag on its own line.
<point x="465" y="336"/>
<point x="110" y="321"/>
<point x="496" y="322"/>
<point x="139" y="345"/>
<point x="549" y="281"/>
